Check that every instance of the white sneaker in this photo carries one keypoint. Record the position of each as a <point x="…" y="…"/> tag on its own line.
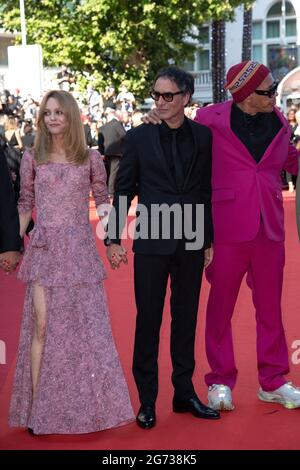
<point x="219" y="397"/>
<point x="287" y="395"/>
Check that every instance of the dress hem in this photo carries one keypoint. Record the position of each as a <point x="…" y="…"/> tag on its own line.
<point x="113" y="425"/>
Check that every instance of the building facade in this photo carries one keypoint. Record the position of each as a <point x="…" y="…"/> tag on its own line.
<point x="275" y="42"/>
<point x="6" y="40"/>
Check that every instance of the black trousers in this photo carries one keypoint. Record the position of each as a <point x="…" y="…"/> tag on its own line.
<point x="113" y="163"/>
<point x="151" y="273"/>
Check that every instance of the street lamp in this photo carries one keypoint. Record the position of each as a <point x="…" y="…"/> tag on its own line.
<point x="23" y="22"/>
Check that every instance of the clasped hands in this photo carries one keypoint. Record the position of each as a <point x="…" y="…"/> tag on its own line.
<point x="9" y="261"/>
<point x="116" y="255"/>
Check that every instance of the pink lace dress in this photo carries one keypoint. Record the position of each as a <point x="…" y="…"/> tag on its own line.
<point x="81" y="386"/>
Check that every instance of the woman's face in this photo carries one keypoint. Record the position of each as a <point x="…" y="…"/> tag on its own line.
<point x="55" y="118"/>
<point x="291" y="115"/>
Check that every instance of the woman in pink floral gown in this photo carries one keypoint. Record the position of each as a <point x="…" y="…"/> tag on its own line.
<point x="68" y="377"/>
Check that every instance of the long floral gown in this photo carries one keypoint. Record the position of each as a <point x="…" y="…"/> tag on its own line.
<point x="81" y="386"/>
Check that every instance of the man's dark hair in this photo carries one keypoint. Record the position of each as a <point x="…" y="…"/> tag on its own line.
<point x="183" y="79"/>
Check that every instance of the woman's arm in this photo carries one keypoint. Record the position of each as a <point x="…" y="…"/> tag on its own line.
<point x="24" y="222"/>
<point x="98" y="178"/>
<point x="26" y="200"/>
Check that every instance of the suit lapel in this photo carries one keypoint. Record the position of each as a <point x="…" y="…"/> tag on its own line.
<point x="195" y="153"/>
<point x="273" y="144"/>
<point x="284" y="130"/>
<point x="223" y="124"/>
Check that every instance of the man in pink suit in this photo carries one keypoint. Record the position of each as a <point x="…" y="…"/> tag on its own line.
<point x="250" y="148"/>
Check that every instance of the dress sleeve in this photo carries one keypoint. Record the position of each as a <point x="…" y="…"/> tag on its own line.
<point x="98" y="178"/>
<point x="27" y="173"/>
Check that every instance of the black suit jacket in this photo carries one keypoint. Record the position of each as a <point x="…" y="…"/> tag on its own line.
<point x="144" y="172"/>
<point x="9" y="219"/>
<point x="110" y="140"/>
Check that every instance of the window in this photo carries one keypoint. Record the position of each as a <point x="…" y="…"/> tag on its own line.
<point x="290" y="28"/>
<point x="204" y="34"/>
<point x="203" y="60"/>
<point x="289" y="9"/>
<point x="188" y="65"/>
<point x="282" y="59"/>
<point x="257" y="53"/>
<point x="276" y="10"/>
<point x="257" y="30"/>
<point x="273" y="29"/>
<point x="280" y="26"/>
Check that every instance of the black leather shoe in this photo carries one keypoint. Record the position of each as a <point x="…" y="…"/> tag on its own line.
<point x="146" y="418"/>
<point x="195" y="406"/>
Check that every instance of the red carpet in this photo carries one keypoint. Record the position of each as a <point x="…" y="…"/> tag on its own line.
<point x="253" y="425"/>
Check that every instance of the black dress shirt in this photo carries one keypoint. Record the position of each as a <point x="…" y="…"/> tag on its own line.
<point x="256" y="132"/>
<point x="185" y="146"/>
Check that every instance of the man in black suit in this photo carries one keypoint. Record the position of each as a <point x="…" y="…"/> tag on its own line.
<point x="167" y="166"/>
<point x="110" y="142"/>
<point x="10" y="241"/>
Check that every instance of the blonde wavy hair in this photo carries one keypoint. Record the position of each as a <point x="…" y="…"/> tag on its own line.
<point x="74" y="142"/>
<point x="11" y="123"/>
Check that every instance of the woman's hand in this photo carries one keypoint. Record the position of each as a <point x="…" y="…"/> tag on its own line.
<point x="116" y="255"/>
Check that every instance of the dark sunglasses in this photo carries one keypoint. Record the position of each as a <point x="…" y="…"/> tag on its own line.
<point x="270" y="92"/>
<point x="168" y="96"/>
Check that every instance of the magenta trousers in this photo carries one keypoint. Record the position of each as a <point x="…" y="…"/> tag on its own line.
<point x="263" y="261"/>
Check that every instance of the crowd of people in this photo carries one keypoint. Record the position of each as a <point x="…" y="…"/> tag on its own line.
<point x="227" y="160"/>
<point x="99" y="113"/>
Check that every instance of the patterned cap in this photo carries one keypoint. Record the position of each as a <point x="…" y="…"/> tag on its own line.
<point x="243" y="78"/>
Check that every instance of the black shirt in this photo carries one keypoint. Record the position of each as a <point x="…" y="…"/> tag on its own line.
<point x="256" y="132"/>
<point x="185" y="145"/>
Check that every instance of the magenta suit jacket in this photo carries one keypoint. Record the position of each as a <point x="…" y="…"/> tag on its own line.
<point x="242" y="188"/>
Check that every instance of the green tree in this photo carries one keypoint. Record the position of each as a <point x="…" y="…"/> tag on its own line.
<point x="115" y="40"/>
